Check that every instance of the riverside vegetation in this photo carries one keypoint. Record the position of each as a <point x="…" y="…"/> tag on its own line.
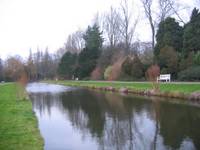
<point x="18" y="129"/>
<point x="174" y="90"/>
<point x="176" y="52"/>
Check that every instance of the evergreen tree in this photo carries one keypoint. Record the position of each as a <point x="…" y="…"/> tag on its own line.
<point x="191" y="37"/>
<point x="90" y="54"/>
<point x="169" y="33"/>
<point x="67" y="65"/>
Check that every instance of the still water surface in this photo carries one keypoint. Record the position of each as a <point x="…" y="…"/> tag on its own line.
<point x="79" y="119"/>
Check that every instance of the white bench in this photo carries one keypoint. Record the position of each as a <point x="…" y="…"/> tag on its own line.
<point x="164" y="77"/>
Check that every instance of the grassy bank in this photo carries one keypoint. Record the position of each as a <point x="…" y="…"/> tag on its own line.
<point x="164" y="87"/>
<point x="175" y="90"/>
<point x="18" y="124"/>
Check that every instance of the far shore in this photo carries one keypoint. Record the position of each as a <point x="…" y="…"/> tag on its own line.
<point x="181" y="90"/>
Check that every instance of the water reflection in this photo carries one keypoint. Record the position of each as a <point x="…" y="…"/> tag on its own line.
<point x="83" y="119"/>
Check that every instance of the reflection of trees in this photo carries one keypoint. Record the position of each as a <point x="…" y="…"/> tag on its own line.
<point x="110" y="118"/>
<point x="178" y="122"/>
<point x="88" y="103"/>
<point x="122" y="130"/>
<point x="118" y="122"/>
<point x="156" y="106"/>
<point x="43" y="102"/>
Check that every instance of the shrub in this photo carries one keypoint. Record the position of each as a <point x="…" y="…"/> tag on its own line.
<point x="190" y="74"/>
<point x="133" y="67"/>
<point x="113" y="72"/>
<point x="116" y="69"/>
<point x="152" y="73"/>
<point x="96" y="74"/>
<point x="107" y="72"/>
<point x="168" y="60"/>
<point x="197" y="59"/>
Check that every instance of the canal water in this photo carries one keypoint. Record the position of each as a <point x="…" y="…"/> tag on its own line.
<point x="80" y="119"/>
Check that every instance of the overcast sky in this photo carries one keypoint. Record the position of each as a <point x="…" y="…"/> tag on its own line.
<point x="26" y="24"/>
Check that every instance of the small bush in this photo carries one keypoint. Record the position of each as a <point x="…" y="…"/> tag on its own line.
<point x="97" y="74"/>
<point x="152" y="73"/>
<point x="133" y="67"/>
<point x="107" y="72"/>
<point x="190" y="74"/>
<point x="197" y="58"/>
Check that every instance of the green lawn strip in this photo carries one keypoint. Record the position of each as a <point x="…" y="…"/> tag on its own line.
<point x="18" y="124"/>
<point x="186" y="88"/>
<point x="183" y="88"/>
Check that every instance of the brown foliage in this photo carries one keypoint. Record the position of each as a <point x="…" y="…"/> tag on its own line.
<point x="13" y="68"/>
<point x="21" y="84"/>
<point x="23" y="79"/>
<point x="96" y="73"/>
<point x="152" y="73"/>
<point x="15" y="71"/>
<point x="116" y="70"/>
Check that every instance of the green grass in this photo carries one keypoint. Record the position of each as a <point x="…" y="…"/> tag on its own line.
<point x="18" y="124"/>
<point x="170" y="87"/>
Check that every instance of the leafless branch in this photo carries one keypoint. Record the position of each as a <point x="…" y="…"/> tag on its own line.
<point x="112" y="25"/>
<point x="128" y="24"/>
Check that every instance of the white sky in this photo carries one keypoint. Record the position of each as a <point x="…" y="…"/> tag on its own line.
<point x="26" y="24"/>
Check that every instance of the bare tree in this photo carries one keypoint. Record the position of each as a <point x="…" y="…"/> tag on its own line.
<point x="128" y="24"/>
<point x="112" y="25"/>
<point x="147" y="4"/>
<point x="75" y="42"/>
<point x="170" y="7"/>
<point x="79" y="42"/>
<point x="166" y="8"/>
<point x="41" y="65"/>
<point x="146" y="55"/>
<point x="13" y="68"/>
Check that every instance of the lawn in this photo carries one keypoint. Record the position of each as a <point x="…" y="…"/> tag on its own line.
<point x="18" y="124"/>
<point x="171" y="87"/>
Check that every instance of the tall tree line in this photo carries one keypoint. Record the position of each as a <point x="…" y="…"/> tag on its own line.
<point x="81" y="65"/>
<point x="42" y="65"/>
<point x="177" y="50"/>
<point x="108" y="46"/>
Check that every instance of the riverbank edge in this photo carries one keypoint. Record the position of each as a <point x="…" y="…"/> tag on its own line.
<point x="194" y="96"/>
<point x="21" y="128"/>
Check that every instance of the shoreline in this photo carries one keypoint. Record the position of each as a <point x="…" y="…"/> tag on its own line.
<point x="144" y="91"/>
